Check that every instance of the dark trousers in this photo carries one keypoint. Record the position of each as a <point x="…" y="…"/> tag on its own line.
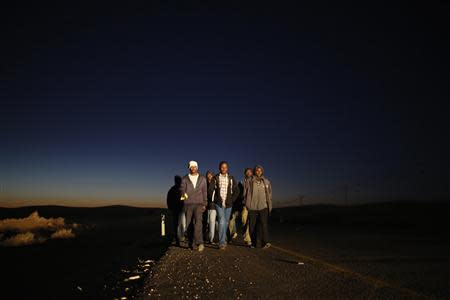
<point x="258" y="226"/>
<point x="175" y="220"/>
<point x="194" y="214"/>
<point x="205" y="225"/>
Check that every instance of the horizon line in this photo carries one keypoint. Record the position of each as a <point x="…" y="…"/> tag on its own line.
<point x="282" y="206"/>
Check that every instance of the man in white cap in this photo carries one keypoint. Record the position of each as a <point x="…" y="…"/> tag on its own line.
<point x="194" y="193"/>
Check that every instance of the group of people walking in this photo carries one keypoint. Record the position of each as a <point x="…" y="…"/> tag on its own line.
<point x="216" y="203"/>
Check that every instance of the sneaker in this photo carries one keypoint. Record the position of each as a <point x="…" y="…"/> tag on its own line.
<point x="222" y="247"/>
<point x="267" y="245"/>
<point x="201" y="247"/>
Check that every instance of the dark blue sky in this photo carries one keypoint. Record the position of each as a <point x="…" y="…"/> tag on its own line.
<point x="104" y="105"/>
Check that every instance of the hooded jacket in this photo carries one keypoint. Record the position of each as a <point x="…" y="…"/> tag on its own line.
<point x="248" y="192"/>
<point x="197" y="195"/>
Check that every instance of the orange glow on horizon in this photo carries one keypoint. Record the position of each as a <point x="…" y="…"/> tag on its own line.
<point x="11" y="202"/>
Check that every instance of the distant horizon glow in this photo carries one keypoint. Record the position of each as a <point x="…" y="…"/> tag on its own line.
<point x="69" y="186"/>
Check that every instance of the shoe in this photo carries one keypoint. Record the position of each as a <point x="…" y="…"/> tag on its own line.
<point x="248" y="243"/>
<point x="234" y="236"/>
<point x="267" y="245"/>
<point x="222" y="247"/>
<point x="201" y="247"/>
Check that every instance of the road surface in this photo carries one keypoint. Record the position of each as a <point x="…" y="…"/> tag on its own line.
<point x="307" y="263"/>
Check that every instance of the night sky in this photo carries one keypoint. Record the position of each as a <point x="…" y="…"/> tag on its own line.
<point x="104" y="105"/>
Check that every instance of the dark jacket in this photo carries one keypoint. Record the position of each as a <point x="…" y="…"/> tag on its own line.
<point x="243" y="186"/>
<point x="197" y="195"/>
<point x="210" y="197"/>
<point x="249" y="192"/>
<point x="232" y="192"/>
<point x="174" y="204"/>
<point x="238" y="205"/>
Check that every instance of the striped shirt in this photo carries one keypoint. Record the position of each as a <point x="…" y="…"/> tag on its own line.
<point x="223" y="186"/>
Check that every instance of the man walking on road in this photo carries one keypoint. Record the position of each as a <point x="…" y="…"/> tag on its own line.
<point x="211" y="217"/>
<point x="175" y="206"/>
<point x="226" y="191"/>
<point x="240" y="211"/>
<point x="258" y="200"/>
<point x="248" y="174"/>
<point x="194" y="193"/>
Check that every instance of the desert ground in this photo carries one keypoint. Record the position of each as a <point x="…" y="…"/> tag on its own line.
<point x="374" y="251"/>
<point x="111" y="244"/>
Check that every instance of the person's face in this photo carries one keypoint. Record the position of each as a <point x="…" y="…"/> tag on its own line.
<point x="210" y="176"/>
<point x="193" y="170"/>
<point x="248" y="173"/>
<point x="223" y="169"/>
<point x="258" y="172"/>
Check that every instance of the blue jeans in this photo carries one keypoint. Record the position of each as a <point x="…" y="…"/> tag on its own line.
<point x="223" y="214"/>
<point x="212" y="213"/>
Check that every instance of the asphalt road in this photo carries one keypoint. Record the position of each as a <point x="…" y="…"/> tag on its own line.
<point x="308" y="262"/>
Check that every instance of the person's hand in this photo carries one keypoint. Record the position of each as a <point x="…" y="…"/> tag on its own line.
<point x="203" y="208"/>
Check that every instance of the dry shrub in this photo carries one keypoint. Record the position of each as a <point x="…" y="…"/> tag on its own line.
<point x="22" y="239"/>
<point x="30" y="223"/>
<point x="33" y="230"/>
<point x="63" y="234"/>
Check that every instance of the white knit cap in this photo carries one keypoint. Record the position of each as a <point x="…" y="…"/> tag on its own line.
<point x="193" y="163"/>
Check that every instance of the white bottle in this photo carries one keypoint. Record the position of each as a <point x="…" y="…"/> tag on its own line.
<point x="163" y="225"/>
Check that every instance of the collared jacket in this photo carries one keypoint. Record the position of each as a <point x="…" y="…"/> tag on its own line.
<point x="248" y="192"/>
<point x="197" y="195"/>
<point x="232" y="191"/>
